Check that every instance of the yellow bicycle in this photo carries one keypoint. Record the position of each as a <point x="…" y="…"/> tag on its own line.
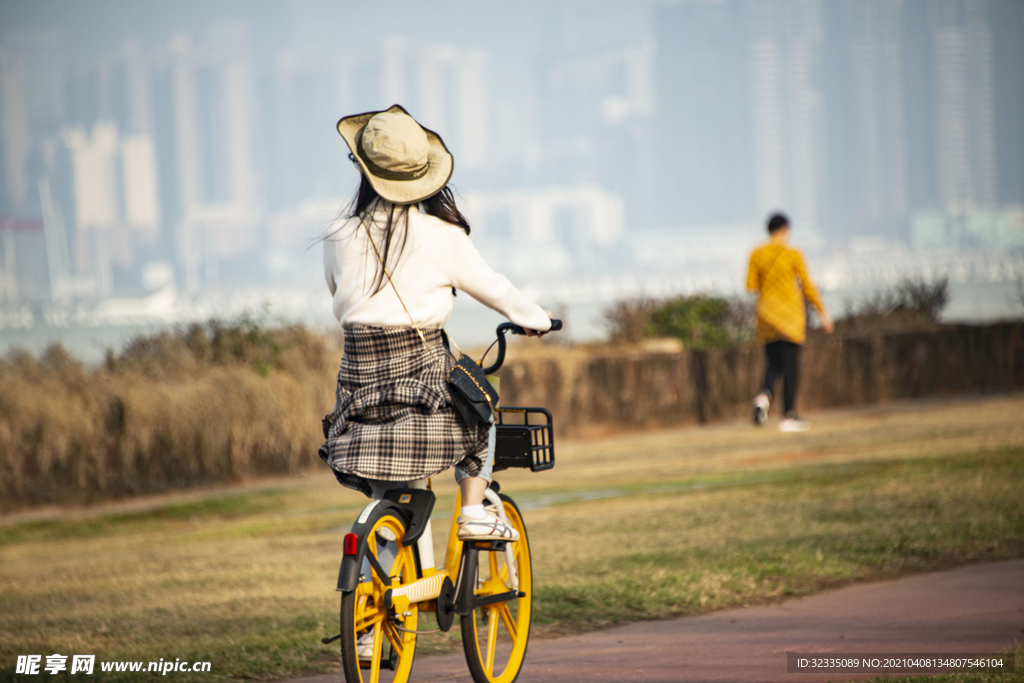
<point x="388" y="578"/>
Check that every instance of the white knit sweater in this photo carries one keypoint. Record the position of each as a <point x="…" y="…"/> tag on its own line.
<point x="437" y="256"/>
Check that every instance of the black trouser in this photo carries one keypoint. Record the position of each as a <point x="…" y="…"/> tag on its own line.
<point x="783" y="358"/>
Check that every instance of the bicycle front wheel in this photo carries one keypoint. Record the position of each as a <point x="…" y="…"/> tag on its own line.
<point x="374" y="646"/>
<point x="494" y="637"/>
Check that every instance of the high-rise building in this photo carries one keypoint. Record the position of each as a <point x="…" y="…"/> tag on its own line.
<point x="43" y="52"/>
<point x="865" y="189"/>
<point x="140" y="183"/>
<point x="964" y="104"/>
<point x="185" y="119"/>
<point x="703" y="171"/>
<point x="213" y="124"/>
<point x="15" y="128"/>
<point x="785" y="105"/>
<point x="451" y="98"/>
<point x="1007" y="21"/>
<point x="238" y="123"/>
<point x="740" y="129"/>
<point x="963" y="71"/>
<point x="96" y="172"/>
<point x="32" y="79"/>
<point x="308" y="94"/>
<point x="96" y="176"/>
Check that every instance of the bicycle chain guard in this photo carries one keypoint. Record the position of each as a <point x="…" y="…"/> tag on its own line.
<point x="445" y="609"/>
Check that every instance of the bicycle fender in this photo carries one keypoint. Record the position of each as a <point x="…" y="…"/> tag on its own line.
<point x="348" y="574"/>
<point x="417" y="504"/>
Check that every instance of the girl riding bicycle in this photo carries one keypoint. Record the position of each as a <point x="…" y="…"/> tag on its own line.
<point x="393" y="265"/>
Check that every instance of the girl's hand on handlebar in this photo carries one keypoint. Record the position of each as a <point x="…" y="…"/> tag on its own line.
<point x="535" y="333"/>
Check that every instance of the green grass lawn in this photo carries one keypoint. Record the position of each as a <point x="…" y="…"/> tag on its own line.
<point x="686" y="553"/>
<point x="703" y="519"/>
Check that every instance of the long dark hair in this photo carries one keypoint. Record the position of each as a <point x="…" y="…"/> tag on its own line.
<point x="396" y="229"/>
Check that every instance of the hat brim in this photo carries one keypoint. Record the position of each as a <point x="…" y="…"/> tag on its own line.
<point x="439" y="162"/>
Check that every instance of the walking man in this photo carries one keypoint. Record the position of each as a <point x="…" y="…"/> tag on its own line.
<point x="781" y="318"/>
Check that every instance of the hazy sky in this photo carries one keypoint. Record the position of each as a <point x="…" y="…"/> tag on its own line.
<point x="93" y="28"/>
<point x="871" y="120"/>
<point x="623" y="143"/>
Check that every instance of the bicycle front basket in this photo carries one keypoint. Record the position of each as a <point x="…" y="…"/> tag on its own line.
<point x="523" y="440"/>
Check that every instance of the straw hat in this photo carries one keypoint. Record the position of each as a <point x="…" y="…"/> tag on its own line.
<point x="404" y="162"/>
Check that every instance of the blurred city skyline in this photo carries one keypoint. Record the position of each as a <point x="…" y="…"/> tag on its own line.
<point x="174" y="150"/>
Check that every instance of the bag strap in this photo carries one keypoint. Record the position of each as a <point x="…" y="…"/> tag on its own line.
<point x="369" y="236"/>
<point x="412" y="320"/>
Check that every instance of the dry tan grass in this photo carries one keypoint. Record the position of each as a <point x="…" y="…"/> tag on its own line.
<point x="230" y="402"/>
<point x="206" y="405"/>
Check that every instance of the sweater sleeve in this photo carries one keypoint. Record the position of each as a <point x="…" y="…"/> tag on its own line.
<point x="471" y="274"/>
<point x="753" y="275"/>
<point x="809" y="290"/>
<point x="329" y="258"/>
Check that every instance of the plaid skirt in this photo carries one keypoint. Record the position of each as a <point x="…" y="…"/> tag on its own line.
<point x="393" y="417"/>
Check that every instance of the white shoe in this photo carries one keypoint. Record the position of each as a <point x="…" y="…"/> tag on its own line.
<point x="486" y="528"/>
<point x="364" y="646"/>
<point x="792" y="424"/>
<point x="761" y="404"/>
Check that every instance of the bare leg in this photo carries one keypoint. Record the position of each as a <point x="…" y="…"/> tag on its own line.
<point x="473" y="490"/>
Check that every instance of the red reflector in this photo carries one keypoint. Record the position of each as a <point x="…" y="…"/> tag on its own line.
<point x="351" y="544"/>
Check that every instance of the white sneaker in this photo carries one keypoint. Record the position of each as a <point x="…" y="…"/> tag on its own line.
<point x="761" y="404"/>
<point x="792" y="424"/>
<point x="486" y="528"/>
<point x="364" y="646"/>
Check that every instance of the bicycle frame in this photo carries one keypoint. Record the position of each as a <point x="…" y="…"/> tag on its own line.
<point x="458" y="564"/>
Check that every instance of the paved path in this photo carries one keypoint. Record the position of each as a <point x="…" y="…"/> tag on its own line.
<point x="977" y="609"/>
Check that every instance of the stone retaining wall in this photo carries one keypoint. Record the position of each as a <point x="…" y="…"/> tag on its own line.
<point x="589" y="391"/>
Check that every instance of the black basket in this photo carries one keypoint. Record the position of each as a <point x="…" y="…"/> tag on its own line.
<point x="521" y="441"/>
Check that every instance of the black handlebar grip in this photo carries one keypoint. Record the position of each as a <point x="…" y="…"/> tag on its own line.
<point x="516" y="329"/>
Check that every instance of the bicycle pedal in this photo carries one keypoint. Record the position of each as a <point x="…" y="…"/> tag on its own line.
<point x="368" y="664"/>
<point x="389" y="662"/>
<point x="489" y="546"/>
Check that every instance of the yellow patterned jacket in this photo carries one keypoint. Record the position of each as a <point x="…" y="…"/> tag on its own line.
<point x="774" y="271"/>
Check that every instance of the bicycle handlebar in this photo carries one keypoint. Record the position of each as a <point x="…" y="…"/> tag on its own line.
<point x="514" y="329"/>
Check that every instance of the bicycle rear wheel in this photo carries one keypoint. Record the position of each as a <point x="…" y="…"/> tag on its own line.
<point x="363" y="612"/>
<point x="494" y="637"/>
